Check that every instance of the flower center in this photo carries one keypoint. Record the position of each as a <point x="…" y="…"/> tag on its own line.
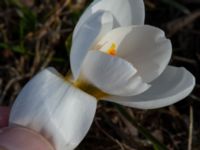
<point x="112" y="50"/>
<point x="108" y="48"/>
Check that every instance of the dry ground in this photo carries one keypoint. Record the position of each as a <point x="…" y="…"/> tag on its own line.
<point x="37" y="34"/>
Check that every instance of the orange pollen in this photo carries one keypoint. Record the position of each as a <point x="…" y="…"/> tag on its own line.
<point x="112" y="50"/>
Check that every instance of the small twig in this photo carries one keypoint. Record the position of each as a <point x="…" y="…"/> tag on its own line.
<point x="58" y="9"/>
<point x="128" y="147"/>
<point x="150" y="4"/>
<point x="109" y="136"/>
<point x="9" y="85"/>
<point x="194" y="97"/>
<point x="178" y="24"/>
<point x="186" y="60"/>
<point x="37" y="58"/>
<point x="1" y="81"/>
<point x="190" y="129"/>
<point x="47" y="60"/>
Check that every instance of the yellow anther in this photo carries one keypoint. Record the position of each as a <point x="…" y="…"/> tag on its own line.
<point x="112" y="50"/>
<point x="109" y="48"/>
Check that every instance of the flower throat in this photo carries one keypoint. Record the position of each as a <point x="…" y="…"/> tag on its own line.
<point x="87" y="87"/>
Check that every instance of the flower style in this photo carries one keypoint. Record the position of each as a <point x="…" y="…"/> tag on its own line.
<point x="114" y="57"/>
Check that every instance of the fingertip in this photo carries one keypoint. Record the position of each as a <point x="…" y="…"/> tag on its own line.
<point x="18" y="138"/>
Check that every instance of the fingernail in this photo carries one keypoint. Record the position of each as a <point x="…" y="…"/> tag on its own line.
<point x="18" y="138"/>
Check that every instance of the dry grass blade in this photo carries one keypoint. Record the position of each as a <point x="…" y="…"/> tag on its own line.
<point x="178" y="24"/>
<point x="190" y="129"/>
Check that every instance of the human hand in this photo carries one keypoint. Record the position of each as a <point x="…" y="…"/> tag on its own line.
<point x="19" y="138"/>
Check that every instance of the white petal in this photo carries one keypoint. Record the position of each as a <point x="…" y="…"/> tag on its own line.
<point x="90" y="32"/>
<point x="54" y="108"/>
<point x="125" y="12"/>
<point x="112" y="75"/>
<point x="146" y="47"/>
<point x="172" y="86"/>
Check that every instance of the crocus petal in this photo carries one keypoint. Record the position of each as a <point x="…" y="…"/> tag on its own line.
<point x="54" y="108"/>
<point x="125" y="12"/>
<point x="172" y="86"/>
<point x="112" y="75"/>
<point x="90" y="32"/>
<point x="146" y="47"/>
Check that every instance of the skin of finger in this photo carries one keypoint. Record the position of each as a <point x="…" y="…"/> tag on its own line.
<point x="18" y="138"/>
<point x="4" y="115"/>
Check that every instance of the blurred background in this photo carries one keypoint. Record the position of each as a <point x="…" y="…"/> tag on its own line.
<point x="35" y="34"/>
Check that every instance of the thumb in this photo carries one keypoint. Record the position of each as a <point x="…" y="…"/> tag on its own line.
<point x="18" y="138"/>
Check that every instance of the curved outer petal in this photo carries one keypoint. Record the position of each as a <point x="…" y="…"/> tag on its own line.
<point x="172" y="86"/>
<point x="90" y="32"/>
<point x="146" y="47"/>
<point x="54" y="108"/>
<point x="125" y="12"/>
<point x="112" y="75"/>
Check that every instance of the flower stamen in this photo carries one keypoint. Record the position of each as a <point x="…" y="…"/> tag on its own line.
<point x="108" y="48"/>
<point x="112" y="50"/>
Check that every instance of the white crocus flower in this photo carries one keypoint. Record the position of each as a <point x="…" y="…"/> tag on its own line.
<point x="114" y="57"/>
